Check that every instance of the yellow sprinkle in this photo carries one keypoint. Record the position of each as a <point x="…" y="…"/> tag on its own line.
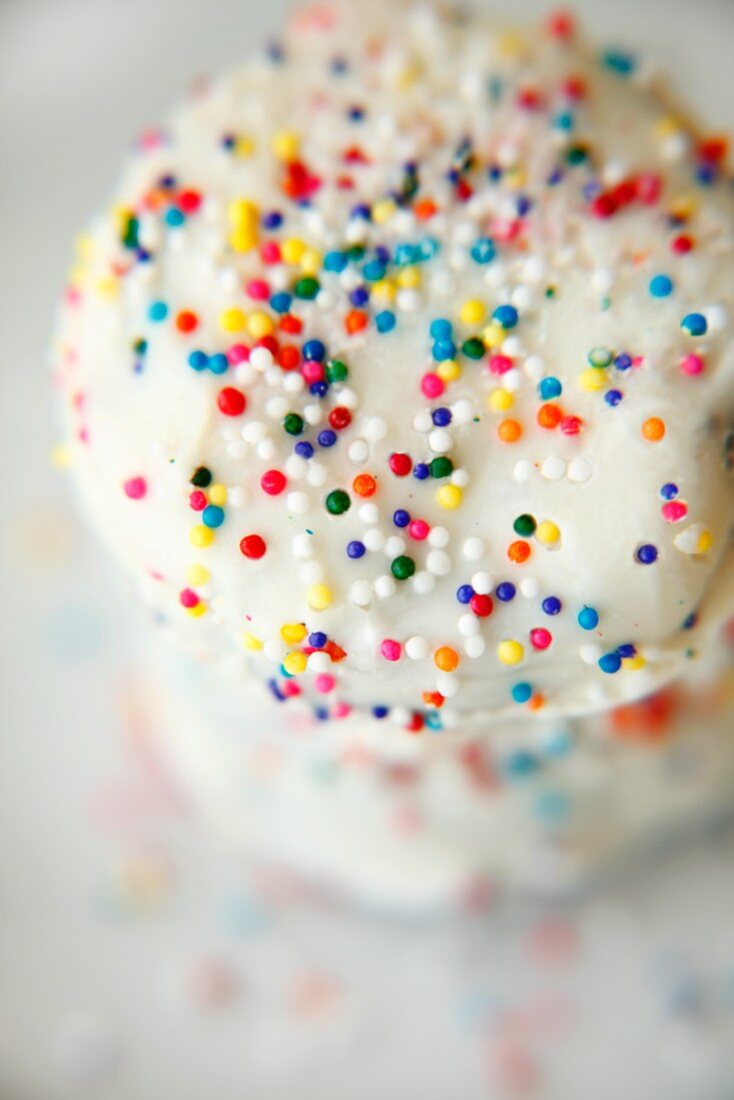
<point x="667" y="126"/>
<point x="449" y="497"/>
<point x="197" y="575"/>
<point x="217" y="494"/>
<point x="197" y="610"/>
<point x="510" y="653"/>
<point x="232" y="320"/>
<point x="683" y="206"/>
<point x="259" y="324"/>
<point x="383" y="211"/>
<point x="295" y="663"/>
<point x="515" y="176"/>
<point x="547" y="532"/>
<point x="493" y="336"/>
<point x="407" y="77"/>
<point x="292" y="250"/>
<point x="286" y="145"/>
<point x="61" y="456"/>
<point x="293" y="633"/>
<point x="86" y="246"/>
<point x="409" y="278"/>
<point x="108" y="287"/>
<point x="244" y="147"/>
<point x="319" y="596"/>
<point x="473" y="312"/>
<point x="511" y="44"/>
<point x="243" y="239"/>
<point x="705" y="542"/>
<point x="243" y="213"/>
<point x="449" y="370"/>
<point x="201" y="536"/>
<point x="249" y="641"/>
<point x="384" y="290"/>
<point x="500" y="400"/>
<point x="633" y="664"/>
<point x="311" y="261"/>
<point x="592" y="379"/>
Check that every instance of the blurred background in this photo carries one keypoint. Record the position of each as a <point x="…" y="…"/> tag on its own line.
<point x="138" y="961"/>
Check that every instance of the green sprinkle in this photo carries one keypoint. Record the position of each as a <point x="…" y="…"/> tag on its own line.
<point x="402" y="567"/>
<point x="441" y="467"/>
<point x="338" y="502"/>
<point x="293" y="424"/>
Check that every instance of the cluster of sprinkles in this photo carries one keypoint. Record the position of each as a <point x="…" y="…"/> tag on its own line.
<point x="336" y="278"/>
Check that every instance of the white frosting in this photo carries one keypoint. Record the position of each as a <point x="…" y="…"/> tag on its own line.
<point x="423" y="83"/>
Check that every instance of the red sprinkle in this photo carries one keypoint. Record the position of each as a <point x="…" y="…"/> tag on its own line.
<point x="253" y="547"/>
<point x="186" y="321"/>
<point x="400" y="464"/>
<point x="340" y="417"/>
<point x="481" y="605"/>
<point x="273" y="482"/>
<point x="231" y="402"/>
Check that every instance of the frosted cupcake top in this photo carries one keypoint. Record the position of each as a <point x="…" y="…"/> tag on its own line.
<point x="403" y="364"/>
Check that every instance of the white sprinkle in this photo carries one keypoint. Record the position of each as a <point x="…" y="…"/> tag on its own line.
<point x="254" y="431"/>
<point x="316" y="475"/>
<point x="530" y="587"/>
<point x="244" y="375"/>
<point x="236" y="496"/>
<point x="439" y="537"/>
<point x="385" y="586"/>
<point x="602" y="280"/>
<point x="360" y="593"/>
<point x="438" y="562"/>
<point x="460" y="477"/>
<point x="553" y="468"/>
<point x="482" y="583"/>
<point x="394" y="546"/>
<point x="534" y="270"/>
<point x="512" y="380"/>
<point x="716" y="316"/>
<point x="400" y="716"/>
<point x="416" y="648"/>
<point x="447" y="684"/>
<point x="440" y="441"/>
<point x="579" y="470"/>
<point x="297" y="503"/>
<point x="303" y="545"/>
<point x="296" y="467"/>
<point x="422" y="422"/>
<point x="590" y="654"/>
<point x="375" y="429"/>
<point x="408" y="300"/>
<point x="319" y="662"/>
<point x="275" y="649"/>
<point x="462" y="411"/>
<point x="266" y="449"/>
<point x="312" y="414"/>
<point x="369" y="513"/>
<point x="293" y="382"/>
<point x="424" y="582"/>
<point x="348" y="398"/>
<point x="475" y="646"/>
<point x="523" y="470"/>
<point x="373" y="539"/>
<point x="358" y="451"/>
<point x="261" y="359"/>
<point x="468" y="625"/>
<point x="535" y="368"/>
<point x="276" y="407"/>
<point x="473" y="549"/>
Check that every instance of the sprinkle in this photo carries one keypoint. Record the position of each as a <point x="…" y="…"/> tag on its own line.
<point x="390" y="649"/>
<point x="506" y="316"/>
<point x="337" y="502"/>
<point x="647" y="554"/>
<point x="446" y="659"/>
<point x="505" y="591"/>
<point x="400" y="464"/>
<point x="519" y="552"/>
<point x="509" y="431"/>
<point x="547" y="533"/>
<point x="551" y="605"/>
<point x="588" y="618"/>
<point x="449" y="497"/>
<point x="402" y="567"/>
<point x="610" y="663"/>
<point x="540" y="638"/>
<point x="524" y="525"/>
<point x="135" y="488"/>
<point x="692" y="365"/>
<point x="653" y="429"/>
<point x="231" y="401"/>
<point x="522" y="692"/>
<point x="661" y="286"/>
<point x="201" y="537"/>
<point x="253" y="546"/>
<point x="318" y="597"/>
<point x="212" y="516"/>
<point x="510" y="652"/>
<point x="273" y="482"/>
<point x="694" y="324"/>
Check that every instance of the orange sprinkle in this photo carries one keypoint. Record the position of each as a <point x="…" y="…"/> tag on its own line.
<point x="355" y="321"/>
<point x="446" y="658"/>
<point x="433" y="698"/>
<point x="425" y="209"/>
<point x="186" y="321"/>
<point x="509" y="431"/>
<point x="364" y="485"/>
<point x="653" y="429"/>
<point x="536" y="702"/>
<point x="519" y="551"/>
<point x="550" y="416"/>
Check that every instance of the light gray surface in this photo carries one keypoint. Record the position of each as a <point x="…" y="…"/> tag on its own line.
<point x="87" y="980"/>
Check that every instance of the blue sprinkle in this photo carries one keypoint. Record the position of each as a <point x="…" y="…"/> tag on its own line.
<point x="551" y="605"/>
<point x="385" y="321"/>
<point x="360" y="296"/>
<point x="199" y="360"/>
<point x="374" y="271"/>
<point x="380" y="712"/>
<point x="627" y="650"/>
<point x="319" y="389"/>
<point x="613" y="397"/>
<point x="690" y="621"/>
<point x="304" y="449"/>
<point x="157" y="311"/>
<point x="588" y="618"/>
<point x="335" y="261"/>
<point x="441" y="417"/>
<point x="610" y="663"/>
<point x="623" y="362"/>
<point x="317" y="640"/>
<point x="174" y="217"/>
<point x="506" y="316"/>
<point x="483" y="250"/>
<point x="505" y="591"/>
<point x="401" y="518"/>
<point x="669" y="491"/>
<point x="218" y="363"/>
<point x="519" y="764"/>
<point x="548" y="388"/>
<point x="421" y="471"/>
<point x="443" y="350"/>
<point x="441" y="329"/>
<point x="619" y="61"/>
<point x="212" y="516"/>
<point x="522" y="692"/>
<point x="281" y="302"/>
<point x="326" y="438"/>
<point x="356" y="549"/>
<point x="647" y="554"/>
<point x="564" y="121"/>
<point x="314" y="350"/>
<point x="661" y="286"/>
<point x="464" y="593"/>
<point x="694" y="324"/>
<point x="272" y="219"/>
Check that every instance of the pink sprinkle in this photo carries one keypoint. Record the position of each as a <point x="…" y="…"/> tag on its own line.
<point x="290" y="688"/>
<point x="391" y="650"/>
<point x="238" y="353"/>
<point x="431" y="385"/>
<point x="313" y="371"/>
<point x="500" y="364"/>
<point x="270" y="252"/>
<point x="692" y="364"/>
<point x="674" y="511"/>
<point x="505" y="229"/>
<point x="197" y="500"/>
<point x="188" y="598"/>
<point x="341" y="710"/>
<point x="648" y="187"/>
<point x="135" y="488"/>
<point x="540" y="638"/>
<point x="258" y="290"/>
<point x="324" y="683"/>
<point x="571" y="425"/>
<point x="418" y="529"/>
